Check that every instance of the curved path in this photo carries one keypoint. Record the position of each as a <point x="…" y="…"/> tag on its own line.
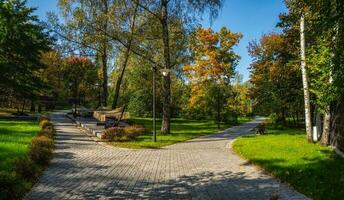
<point x="203" y="168"/>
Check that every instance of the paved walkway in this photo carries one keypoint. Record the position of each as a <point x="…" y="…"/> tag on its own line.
<point x="203" y="168"/>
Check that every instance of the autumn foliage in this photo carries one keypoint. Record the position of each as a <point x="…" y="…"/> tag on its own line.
<point x="213" y="60"/>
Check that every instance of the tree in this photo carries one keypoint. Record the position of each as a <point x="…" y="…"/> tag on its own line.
<point x="84" y="32"/>
<point x="22" y="41"/>
<point x="305" y="80"/>
<point x="275" y="76"/>
<point x="214" y="63"/>
<point x="163" y="11"/>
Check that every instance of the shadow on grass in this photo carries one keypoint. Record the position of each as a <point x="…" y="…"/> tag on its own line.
<point x="315" y="177"/>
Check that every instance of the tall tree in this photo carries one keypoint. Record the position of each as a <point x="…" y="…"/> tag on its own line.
<point x="305" y="80"/>
<point x="163" y="11"/>
<point x="83" y="21"/>
<point x="214" y="63"/>
<point x="22" y="41"/>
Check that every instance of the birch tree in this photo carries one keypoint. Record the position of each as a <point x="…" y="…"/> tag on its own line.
<point x="305" y="80"/>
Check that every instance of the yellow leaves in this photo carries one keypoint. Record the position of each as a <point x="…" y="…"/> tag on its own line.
<point x="214" y="60"/>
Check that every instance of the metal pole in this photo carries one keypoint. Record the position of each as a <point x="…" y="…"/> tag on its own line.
<point x="154" y="123"/>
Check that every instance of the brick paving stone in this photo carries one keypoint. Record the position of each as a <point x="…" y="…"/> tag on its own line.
<point x="202" y="168"/>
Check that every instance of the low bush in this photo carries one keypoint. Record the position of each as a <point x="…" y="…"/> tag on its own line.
<point x="261" y="128"/>
<point x="49" y="132"/>
<point x="12" y="186"/>
<point x="46" y="124"/>
<point x="27" y="169"/>
<point x="41" y="150"/>
<point x="42" y="122"/>
<point x="126" y="133"/>
<point x="131" y="132"/>
<point x="114" y="133"/>
<point x="43" y="118"/>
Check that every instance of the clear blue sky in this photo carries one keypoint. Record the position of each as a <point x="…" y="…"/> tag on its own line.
<point x="250" y="17"/>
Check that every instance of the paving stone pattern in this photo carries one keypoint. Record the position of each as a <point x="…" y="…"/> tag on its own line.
<point x="203" y="168"/>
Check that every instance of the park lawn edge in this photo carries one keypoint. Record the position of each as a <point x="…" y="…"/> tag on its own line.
<point x="287" y="174"/>
<point x="27" y="169"/>
<point x="148" y="145"/>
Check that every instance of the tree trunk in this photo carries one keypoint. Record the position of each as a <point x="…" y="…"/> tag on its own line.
<point x="32" y="107"/>
<point x="165" y="127"/>
<point x="218" y="109"/>
<point x="105" y="78"/>
<point x="305" y="81"/>
<point x="104" y="59"/>
<point x="120" y="77"/>
<point x="126" y="59"/>
<point x="325" y="136"/>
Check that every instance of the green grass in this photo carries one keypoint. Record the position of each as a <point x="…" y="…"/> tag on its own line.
<point x="181" y="130"/>
<point x="15" y="136"/>
<point x="316" y="171"/>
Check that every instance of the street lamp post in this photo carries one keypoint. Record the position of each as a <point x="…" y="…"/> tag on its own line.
<point x="164" y="72"/>
<point x="154" y="117"/>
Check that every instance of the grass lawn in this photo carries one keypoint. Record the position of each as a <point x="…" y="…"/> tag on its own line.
<point x="181" y="129"/>
<point x="311" y="169"/>
<point x="15" y="136"/>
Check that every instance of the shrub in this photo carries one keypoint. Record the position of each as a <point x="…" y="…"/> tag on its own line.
<point x="114" y="133"/>
<point x="40" y="150"/>
<point x="131" y="132"/>
<point x="26" y="168"/>
<point x="11" y="186"/>
<point x="46" y="124"/>
<point x="126" y="133"/>
<point x="48" y="132"/>
<point x="43" y="118"/>
<point x="261" y="128"/>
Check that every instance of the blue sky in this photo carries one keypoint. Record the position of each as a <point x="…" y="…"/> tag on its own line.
<point x="250" y="17"/>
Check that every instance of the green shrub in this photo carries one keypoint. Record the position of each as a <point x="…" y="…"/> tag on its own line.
<point x="131" y="132"/>
<point x="41" y="149"/>
<point x="49" y="132"/>
<point x="12" y="187"/>
<point x="27" y="169"/>
<point x="261" y="128"/>
<point x="114" y="133"/>
<point x="43" y="118"/>
<point x="126" y="133"/>
<point x="42" y="122"/>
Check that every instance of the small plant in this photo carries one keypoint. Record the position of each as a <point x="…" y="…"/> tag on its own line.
<point x="26" y="168"/>
<point x="43" y="118"/>
<point x="261" y="128"/>
<point x="114" y="133"/>
<point x="131" y="132"/>
<point x="126" y="133"/>
<point x="48" y="132"/>
<point x="11" y="186"/>
<point x="41" y="149"/>
<point x="46" y="124"/>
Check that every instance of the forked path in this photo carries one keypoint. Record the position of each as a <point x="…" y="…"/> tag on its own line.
<point x="203" y="168"/>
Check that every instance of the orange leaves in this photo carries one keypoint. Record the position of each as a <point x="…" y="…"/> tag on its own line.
<point x="214" y="59"/>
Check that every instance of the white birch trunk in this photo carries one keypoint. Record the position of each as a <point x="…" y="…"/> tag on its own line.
<point x="305" y="80"/>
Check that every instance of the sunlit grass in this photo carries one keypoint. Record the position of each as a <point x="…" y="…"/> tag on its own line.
<point x="15" y="136"/>
<point x="310" y="168"/>
<point x="181" y="130"/>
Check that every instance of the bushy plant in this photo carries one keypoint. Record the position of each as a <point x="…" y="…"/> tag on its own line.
<point x="26" y="168"/>
<point x="261" y="128"/>
<point x="46" y="124"/>
<point x="48" y="131"/>
<point x="131" y="132"/>
<point x="11" y="186"/>
<point x="114" y="133"/>
<point x="126" y="133"/>
<point x="41" y="149"/>
<point x="43" y="118"/>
